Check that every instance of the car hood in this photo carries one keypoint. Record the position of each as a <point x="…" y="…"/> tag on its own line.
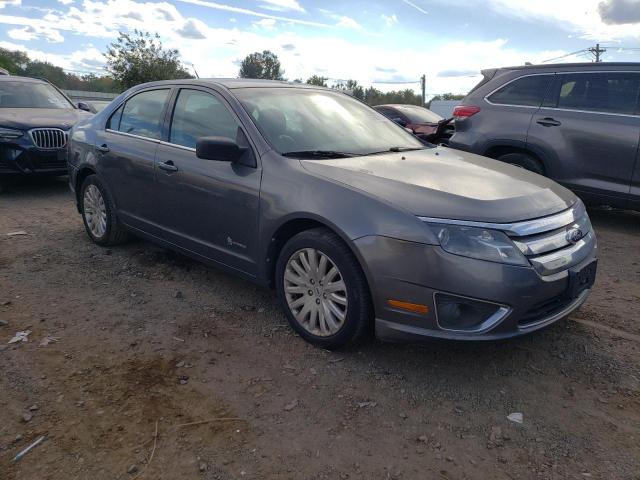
<point x="445" y="183"/>
<point x="26" y="118"/>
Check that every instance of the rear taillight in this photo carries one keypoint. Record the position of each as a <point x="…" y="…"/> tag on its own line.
<point x="464" y="111"/>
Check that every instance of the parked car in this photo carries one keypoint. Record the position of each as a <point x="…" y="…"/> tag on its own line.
<point x="35" y="118"/>
<point x="424" y="123"/>
<point x="355" y="222"/>
<point x="578" y="124"/>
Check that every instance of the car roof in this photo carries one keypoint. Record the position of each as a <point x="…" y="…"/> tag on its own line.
<point x="233" y="83"/>
<point x="556" y="66"/>
<point x="17" y="78"/>
<point x="400" y="105"/>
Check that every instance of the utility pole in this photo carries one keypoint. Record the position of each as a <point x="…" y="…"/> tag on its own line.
<point x="423" y="81"/>
<point x="597" y="51"/>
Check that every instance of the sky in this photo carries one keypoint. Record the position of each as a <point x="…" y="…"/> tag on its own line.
<point x="375" y="42"/>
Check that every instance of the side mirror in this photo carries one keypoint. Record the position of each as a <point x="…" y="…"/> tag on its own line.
<point x="85" y="107"/>
<point x="399" y="121"/>
<point x="218" y="148"/>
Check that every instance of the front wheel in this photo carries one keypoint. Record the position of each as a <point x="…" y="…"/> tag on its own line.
<point x="323" y="290"/>
<point x="98" y="213"/>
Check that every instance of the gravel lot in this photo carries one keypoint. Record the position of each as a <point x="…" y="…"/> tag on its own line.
<point x="152" y="340"/>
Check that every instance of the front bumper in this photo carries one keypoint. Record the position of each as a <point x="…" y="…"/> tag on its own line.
<point x="531" y="301"/>
<point x="18" y="159"/>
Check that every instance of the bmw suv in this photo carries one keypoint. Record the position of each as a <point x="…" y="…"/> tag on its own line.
<point x="578" y="124"/>
<point x="35" y="118"/>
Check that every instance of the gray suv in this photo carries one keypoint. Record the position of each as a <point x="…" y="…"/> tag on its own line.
<point x="357" y="224"/>
<point x="578" y="124"/>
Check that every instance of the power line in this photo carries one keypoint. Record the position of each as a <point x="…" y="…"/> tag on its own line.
<point x="597" y="51"/>
<point x="565" y="56"/>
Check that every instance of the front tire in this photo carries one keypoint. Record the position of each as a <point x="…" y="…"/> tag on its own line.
<point x="99" y="213"/>
<point x="323" y="290"/>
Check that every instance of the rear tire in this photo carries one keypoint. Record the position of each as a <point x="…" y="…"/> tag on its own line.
<point x="99" y="213"/>
<point x="523" y="160"/>
<point x="328" y="304"/>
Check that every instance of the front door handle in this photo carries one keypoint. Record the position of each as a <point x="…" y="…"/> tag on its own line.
<point x="548" y="122"/>
<point x="167" y="166"/>
<point x="103" y="148"/>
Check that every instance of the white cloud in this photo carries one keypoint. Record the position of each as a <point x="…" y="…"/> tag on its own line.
<point x="10" y="3"/>
<point x="253" y="13"/>
<point x="390" y="19"/>
<point x="266" y="23"/>
<point x="29" y="33"/>
<point x="282" y="5"/>
<point x="90" y="59"/>
<point x="66" y="2"/>
<point x="582" y="17"/>
<point x="348" y="22"/>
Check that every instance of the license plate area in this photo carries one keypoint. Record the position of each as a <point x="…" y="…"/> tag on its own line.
<point x="582" y="279"/>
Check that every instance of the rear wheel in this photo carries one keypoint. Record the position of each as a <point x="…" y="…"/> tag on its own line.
<point x="323" y="290"/>
<point x="523" y="160"/>
<point x="98" y="213"/>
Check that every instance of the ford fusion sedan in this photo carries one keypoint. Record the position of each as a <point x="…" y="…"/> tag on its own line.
<point x="35" y="118"/>
<point x="357" y="224"/>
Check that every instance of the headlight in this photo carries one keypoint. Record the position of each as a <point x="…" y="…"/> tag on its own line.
<point x="480" y="243"/>
<point x="9" y="133"/>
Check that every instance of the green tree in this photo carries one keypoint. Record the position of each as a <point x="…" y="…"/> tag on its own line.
<point x="352" y="87"/>
<point x="316" y="80"/>
<point x="140" y="57"/>
<point x="13" y="61"/>
<point x="263" y="65"/>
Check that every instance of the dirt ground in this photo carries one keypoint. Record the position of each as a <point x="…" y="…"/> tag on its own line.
<point x="149" y="339"/>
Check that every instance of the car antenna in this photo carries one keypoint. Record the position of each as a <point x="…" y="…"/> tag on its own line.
<point x="195" y="71"/>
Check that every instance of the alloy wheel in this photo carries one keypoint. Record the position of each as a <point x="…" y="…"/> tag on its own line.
<point x="315" y="292"/>
<point x="95" y="211"/>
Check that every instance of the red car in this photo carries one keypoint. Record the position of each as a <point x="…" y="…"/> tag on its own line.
<point x="424" y="123"/>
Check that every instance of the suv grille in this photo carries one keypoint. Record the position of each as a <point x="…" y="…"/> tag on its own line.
<point x="556" y="243"/>
<point x="48" y="138"/>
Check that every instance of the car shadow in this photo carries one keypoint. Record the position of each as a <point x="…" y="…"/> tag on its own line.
<point x="615" y="219"/>
<point x="32" y="185"/>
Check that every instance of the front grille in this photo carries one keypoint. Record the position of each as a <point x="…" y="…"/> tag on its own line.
<point x="558" y="242"/>
<point x="48" y="138"/>
<point x="544" y="310"/>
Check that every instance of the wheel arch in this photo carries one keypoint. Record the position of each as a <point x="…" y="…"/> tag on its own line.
<point x="293" y="225"/>
<point x="497" y="150"/>
<point x="83" y="173"/>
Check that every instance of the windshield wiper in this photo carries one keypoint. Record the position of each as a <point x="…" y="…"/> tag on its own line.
<point x="319" y="154"/>
<point x="397" y="149"/>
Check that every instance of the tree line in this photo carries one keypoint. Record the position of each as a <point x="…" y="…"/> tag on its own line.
<point x="140" y="57"/>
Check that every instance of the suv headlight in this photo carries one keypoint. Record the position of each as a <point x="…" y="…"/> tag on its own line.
<point x="10" y="133"/>
<point x="480" y="243"/>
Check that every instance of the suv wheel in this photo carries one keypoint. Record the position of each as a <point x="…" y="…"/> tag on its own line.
<point x="524" y="161"/>
<point x="323" y="290"/>
<point x="98" y="213"/>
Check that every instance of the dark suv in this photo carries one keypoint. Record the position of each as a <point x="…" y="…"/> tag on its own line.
<point x="578" y="124"/>
<point x="35" y="118"/>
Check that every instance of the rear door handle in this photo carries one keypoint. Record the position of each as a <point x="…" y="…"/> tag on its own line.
<point x="167" y="166"/>
<point x="103" y="148"/>
<point x="548" y="122"/>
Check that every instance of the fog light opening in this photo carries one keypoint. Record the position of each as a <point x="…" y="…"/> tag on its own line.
<point x="466" y="314"/>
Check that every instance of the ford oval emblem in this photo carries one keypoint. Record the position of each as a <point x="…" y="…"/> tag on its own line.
<point x="574" y="235"/>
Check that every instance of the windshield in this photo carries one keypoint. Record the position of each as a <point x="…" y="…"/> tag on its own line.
<point x="299" y="120"/>
<point x="419" y="114"/>
<point x="31" y="95"/>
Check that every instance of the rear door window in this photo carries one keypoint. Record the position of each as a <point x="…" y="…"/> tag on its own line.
<point x="525" y="91"/>
<point x="607" y="92"/>
<point x="142" y="114"/>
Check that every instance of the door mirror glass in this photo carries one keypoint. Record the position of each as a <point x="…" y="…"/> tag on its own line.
<point x="84" y="106"/>
<point x="218" y="148"/>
